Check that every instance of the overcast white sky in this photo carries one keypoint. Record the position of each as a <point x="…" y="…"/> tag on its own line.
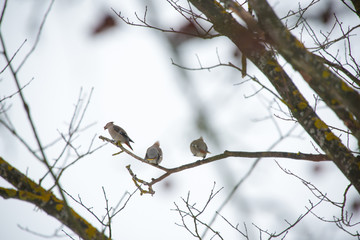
<point x="136" y="86"/>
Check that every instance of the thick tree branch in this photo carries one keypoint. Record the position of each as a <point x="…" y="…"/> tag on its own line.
<point x="27" y="190"/>
<point x="265" y="60"/>
<point x="335" y="92"/>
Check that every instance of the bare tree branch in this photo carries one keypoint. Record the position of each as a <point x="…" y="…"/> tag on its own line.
<point x="37" y="37"/>
<point x="205" y="34"/>
<point x="265" y="60"/>
<point x="194" y="214"/>
<point x="13" y="94"/>
<point x="26" y="107"/>
<point x="285" y="231"/>
<point x="344" y="221"/>
<point x="243" y="179"/>
<point x="226" y="154"/>
<point x="29" y="191"/>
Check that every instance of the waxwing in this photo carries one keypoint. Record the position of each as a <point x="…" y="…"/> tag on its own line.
<point x="154" y="154"/>
<point x="118" y="134"/>
<point x="199" y="148"/>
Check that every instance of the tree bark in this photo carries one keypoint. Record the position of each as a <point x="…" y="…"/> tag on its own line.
<point x="29" y="191"/>
<point x="265" y="60"/>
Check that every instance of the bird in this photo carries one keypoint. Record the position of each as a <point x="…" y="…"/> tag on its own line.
<point x="118" y="134"/>
<point x="199" y="148"/>
<point x="154" y="153"/>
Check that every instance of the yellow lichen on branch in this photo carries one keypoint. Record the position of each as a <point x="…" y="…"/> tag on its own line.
<point x="319" y="124"/>
<point x="29" y="191"/>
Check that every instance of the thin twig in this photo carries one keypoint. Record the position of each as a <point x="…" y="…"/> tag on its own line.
<point x="37" y="37"/>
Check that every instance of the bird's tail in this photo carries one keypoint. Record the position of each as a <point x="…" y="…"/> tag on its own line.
<point x="128" y="144"/>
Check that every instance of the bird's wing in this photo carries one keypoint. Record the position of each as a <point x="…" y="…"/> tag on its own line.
<point x="122" y="132"/>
